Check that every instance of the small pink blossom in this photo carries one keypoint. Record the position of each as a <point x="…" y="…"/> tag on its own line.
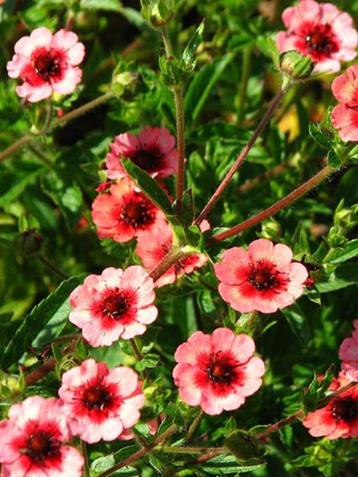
<point x="320" y="31"/>
<point x="345" y="114"/>
<point x="123" y="212"/>
<point x="32" y="441"/>
<point x="217" y="372"/>
<point x="47" y="63"/>
<point x="116" y="304"/>
<point x="101" y="403"/>
<point x="348" y="354"/>
<point x="263" y="278"/>
<point x="153" y="149"/>
<point x="339" y="418"/>
<point x="154" y="245"/>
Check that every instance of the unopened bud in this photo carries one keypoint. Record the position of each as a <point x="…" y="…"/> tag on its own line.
<point x="123" y="81"/>
<point x="157" y="12"/>
<point x="295" y="65"/>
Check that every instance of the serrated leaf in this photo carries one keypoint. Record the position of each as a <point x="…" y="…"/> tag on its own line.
<point x="52" y="312"/>
<point x="316" y="132"/>
<point x="267" y="45"/>
<point x="148" y="185"/>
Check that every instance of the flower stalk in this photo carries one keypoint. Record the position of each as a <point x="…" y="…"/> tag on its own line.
<point x="243" y="154"/>
<point x="279" y="205"/>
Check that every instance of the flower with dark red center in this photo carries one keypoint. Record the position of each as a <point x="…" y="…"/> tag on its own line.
<point x="263" y="278"/>
<point x="32" y="441"/>
<point x="46" y="63"/>
<point x="116" y="304"/>
<point x="153" y="150"/>
<point x="340" y="417"/>
<point x="123" y="212"/>
<point x="320" y="31"/>
<point x="154" y="245"/>
<point x="348" y="354"/>
<point x="217" y="372"/>
<point x="345" y="115"/>
<point x="101" y="403"/>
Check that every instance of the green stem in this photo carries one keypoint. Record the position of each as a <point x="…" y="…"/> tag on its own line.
<point x="243" y="154"/>
<point x="245" y="76"/>
<point x="191" y="450"/>
<point x="86" y="472"/>
<point x="39" y="154"/>
<point x="279" y="205"/>
<point x="167" y="43"/>
<point x="52" y="267"/>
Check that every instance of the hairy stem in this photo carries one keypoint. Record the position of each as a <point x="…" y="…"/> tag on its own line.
<point x="86" y="471"/>
<point x="242" y="156"/>
<point x="166" y="262"/>
<point x="192" y="450"/>
<point x="193" y="427"/>
<point x="167" y="43"/>
<point x="299" y="414"/>
<point x="180" y="123"/>
<point x="58" y="122"/>
<point x="141" y="452"/>
<point x="279" y="205"/>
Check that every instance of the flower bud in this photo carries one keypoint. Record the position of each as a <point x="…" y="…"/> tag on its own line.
<point x="296" y="66"/>
<point x="157" y="12"/>
<point x="123" y="81"/>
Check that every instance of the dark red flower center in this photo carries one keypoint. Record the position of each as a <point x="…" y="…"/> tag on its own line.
<point x="41" y="445"/>
<point x="264" y="276"/>
<point x="48" y="63"/>
<point x="181" y="264"/>
<point x="320" y="41"/>
<point x="96" y="397"/>
<point x="220" y="370"/>
<point x="345" y="409"/>
<point x="116" y="305"/>
<point x="148" y="159"/>
<point x="138" y="211"/>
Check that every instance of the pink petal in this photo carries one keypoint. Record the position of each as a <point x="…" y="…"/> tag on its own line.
<point x="71" y="78"/>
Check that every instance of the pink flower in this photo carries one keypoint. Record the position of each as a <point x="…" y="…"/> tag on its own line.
<point x="339" y="418"/>
<point x="348" y="354"/>
<point x="123" y="212"/>
<point x="154" y="245"/>
<point x="263" y="278"/>
<point x="345" y="115"/>
<point x="116" y="304"/>
<point x="217" y="372"/>
<point x="101" y="403"/>
<point x="46" y="63"/>
<point x="320" y="31"/>
<point x="32" y="441"/>
<point x="153" y="149"/>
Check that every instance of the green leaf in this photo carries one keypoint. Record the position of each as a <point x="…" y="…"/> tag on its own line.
<point x="202" y="85"/>
<point x="148" y="185"/>
<point x="108" y="5"/>
<point x="348" y="251"/>
<point x="298" y="323"/>
<point x="12" y="184"/>
<point x="319" y="135"/>
<point x="196" y="39"/>
<point x="267" y="45"/>
<point x="228" y="464"/>
<point x="43" y="324"/>
<point x="345" y="276"/>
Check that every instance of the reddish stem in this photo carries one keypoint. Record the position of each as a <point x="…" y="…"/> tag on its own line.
<point x="241" y="157"/>
<point x="279" y="205"/>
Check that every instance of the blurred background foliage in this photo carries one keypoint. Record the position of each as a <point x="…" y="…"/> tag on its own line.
<point x="46" y="191"/>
